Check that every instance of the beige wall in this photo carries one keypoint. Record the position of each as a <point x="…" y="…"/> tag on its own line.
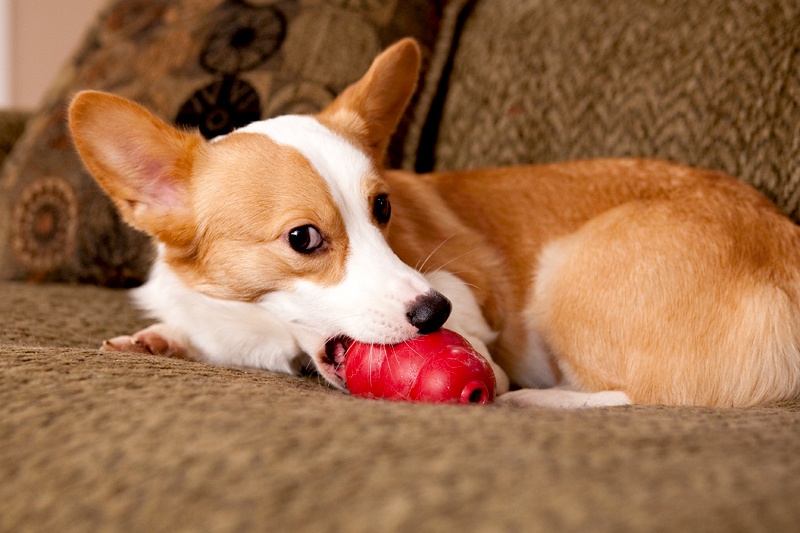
<point x="44" y="34"/>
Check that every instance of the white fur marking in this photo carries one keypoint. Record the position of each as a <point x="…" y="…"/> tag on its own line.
<point x="226" y="333"/>
<point x="371" y="303"/>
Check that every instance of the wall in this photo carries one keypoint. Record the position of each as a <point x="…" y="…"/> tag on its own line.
<point x="5" y="53"/>
<point x="36" y="38"/>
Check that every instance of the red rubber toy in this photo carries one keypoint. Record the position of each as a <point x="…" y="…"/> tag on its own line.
<point x="440" y="367"/>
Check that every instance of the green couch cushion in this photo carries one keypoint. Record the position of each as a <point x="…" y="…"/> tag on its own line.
<point x="99" y="441"/>
<point x="707" y="83"/>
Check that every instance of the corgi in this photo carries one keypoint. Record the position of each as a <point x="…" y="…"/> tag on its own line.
<point x="585" y="284"/>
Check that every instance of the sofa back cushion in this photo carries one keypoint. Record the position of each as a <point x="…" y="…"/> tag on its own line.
<point x="708" y="83"/>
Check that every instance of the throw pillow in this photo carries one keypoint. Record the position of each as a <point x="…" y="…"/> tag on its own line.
<point x="211" y="64"/>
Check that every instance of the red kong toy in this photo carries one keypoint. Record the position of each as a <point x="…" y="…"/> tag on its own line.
<point x="440" y="367"/>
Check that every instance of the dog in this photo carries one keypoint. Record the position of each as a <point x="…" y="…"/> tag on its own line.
<point x="585" y="284"/>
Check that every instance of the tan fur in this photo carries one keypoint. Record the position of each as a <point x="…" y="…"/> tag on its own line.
<point x="673" y="285"/>
<point x="246" y="214"/>
<point x="226" y="200"/>
<point x="367" y="112"/>
<point x="126" y="178"/>
<point x="670" y="284"/>
<point x="206" y="212"/>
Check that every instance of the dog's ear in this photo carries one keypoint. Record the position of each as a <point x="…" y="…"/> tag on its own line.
<point x="370" y="110"/>
<point x="142" y="163"/>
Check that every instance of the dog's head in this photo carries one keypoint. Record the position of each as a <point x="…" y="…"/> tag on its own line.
<point x="290" y="213"/>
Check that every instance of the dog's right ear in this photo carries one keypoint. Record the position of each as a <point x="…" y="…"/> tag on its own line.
<point x="141" y="162"/>
<point x="370" y="109"/>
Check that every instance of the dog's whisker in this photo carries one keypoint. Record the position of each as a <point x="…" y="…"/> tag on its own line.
<point x="459" y="280"/>
<point x="456" y="258"/>
<point x="459" y="283"/>
<point x="420" y="267"/>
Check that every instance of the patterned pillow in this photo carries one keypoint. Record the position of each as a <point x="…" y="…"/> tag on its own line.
<point x="211" y="64"/>
<point x="708" y="83"/>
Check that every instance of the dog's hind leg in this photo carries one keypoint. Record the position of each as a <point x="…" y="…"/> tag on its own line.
<point x="691" y="301"/>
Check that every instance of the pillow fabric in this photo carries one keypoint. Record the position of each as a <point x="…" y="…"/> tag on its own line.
<point x="210" y="64"/>
<point x="708" y="83"/>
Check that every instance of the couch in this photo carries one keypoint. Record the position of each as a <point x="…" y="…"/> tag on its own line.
<point x="100" y="441"/>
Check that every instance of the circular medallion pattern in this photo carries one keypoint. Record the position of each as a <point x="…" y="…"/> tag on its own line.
<point x="44" y="222"/>
<point x="244" y="38"/>
<point x="221" y="107"/>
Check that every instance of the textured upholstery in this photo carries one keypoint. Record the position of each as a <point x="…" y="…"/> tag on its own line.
<point x="92" y="441"/>
<point x="708" y="83"/>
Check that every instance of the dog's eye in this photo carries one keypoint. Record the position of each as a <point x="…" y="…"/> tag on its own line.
<point x="305" y="239"/>
<point x="382" y="209"/>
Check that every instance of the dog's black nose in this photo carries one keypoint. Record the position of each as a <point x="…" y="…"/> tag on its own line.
<point x="429" y="312"/>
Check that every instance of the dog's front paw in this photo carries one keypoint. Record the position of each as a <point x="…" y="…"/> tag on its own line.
<point x="158" y="339"/>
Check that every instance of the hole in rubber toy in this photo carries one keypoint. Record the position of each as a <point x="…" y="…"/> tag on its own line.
<point x="475" y="392"/>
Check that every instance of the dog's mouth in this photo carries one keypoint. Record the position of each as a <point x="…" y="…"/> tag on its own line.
<point x="332" y="360"/>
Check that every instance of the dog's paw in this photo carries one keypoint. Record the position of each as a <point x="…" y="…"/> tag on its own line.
<point x="158" y="339"/>
<point x="608" y="398"/>
<point x="563" y="399"/>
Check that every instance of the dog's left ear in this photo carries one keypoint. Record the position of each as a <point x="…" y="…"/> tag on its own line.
<point x="369" y="110"/>
<point x="143" y="164"/>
